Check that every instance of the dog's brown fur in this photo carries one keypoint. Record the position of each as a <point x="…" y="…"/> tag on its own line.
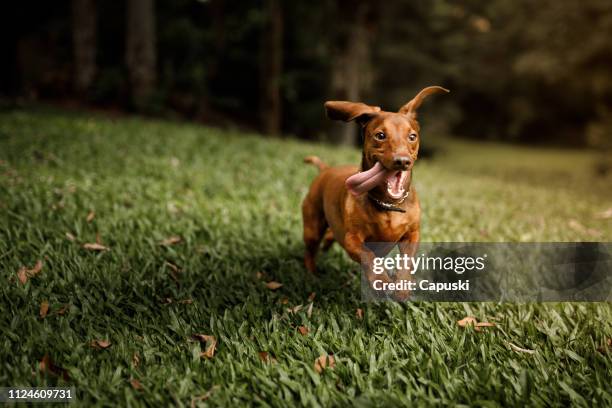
<point x="331" y="212"/>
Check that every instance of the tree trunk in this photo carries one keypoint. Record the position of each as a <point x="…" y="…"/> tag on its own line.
<point x="352" y="70"/>
<point x="272" y="66"/>
<point x="140" y="52"/>
<point x="84" y="44"/>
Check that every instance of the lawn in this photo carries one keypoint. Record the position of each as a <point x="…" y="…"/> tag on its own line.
<point x="195" y="221"/>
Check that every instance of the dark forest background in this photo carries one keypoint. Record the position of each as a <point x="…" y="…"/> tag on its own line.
<point x="519" y="70"/>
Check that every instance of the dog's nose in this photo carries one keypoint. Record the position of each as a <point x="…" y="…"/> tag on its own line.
<point x="401" y="161"/>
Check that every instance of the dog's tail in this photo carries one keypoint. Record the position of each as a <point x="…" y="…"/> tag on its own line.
<point x="314" y="160"/>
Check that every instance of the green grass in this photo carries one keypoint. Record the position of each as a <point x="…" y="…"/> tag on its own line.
<point x="235" y="202"/>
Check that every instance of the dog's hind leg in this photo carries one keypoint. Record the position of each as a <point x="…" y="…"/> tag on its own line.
<point x="328" y="240"/>
<point x="314" y="230"/>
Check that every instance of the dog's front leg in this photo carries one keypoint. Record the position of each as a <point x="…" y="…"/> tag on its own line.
<point x="354" y="246"/>
<point x="408" y="246"/>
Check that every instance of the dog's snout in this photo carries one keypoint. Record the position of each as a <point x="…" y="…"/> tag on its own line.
<point x="401" y="161"/>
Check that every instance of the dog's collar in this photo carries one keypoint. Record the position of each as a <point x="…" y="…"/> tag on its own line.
<point x="384" y="206"/>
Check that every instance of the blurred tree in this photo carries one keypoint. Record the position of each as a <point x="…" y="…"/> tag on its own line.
<point x="84" y="43"/>
<point x="351" y="66"/>
<point x="271" y="68"/>
<point x="140" y="50"/>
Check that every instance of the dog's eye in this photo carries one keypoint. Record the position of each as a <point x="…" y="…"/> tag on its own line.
<point x="380" y="136"/>
<point x="412" y="137"/>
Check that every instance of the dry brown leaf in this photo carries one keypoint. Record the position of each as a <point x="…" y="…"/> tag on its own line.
<point x="467" y="321"/>
<point x="44" y="309"/>
<point x="359" y="313"/>
<point x="100" y="344"/>
<point x="46" y="366"/>
<point x="303" y="330"/>
<point x="70" y="237"/>
<point x="24" y="273"/>
<point x="185" y="301"/>
<point x="471" y="321"/>
<point x="520" y="349"/>
<point x="485" y="324"/>
<point x="91" y="216"/>
<point x="605" y="214"/>
<point x="210" y="344"/>
<point x="295" y="309"/>
<point x="95" y="246"/>
<point x="312" y="296"/>
<point x="272" y="285"/>
<point x="267" y="357"/>
<point x="284" y="301"/>
<point x="171" y="241"/>
<point x="174" y="272"/>
<point x="137" y="385"/>
<point x="62" y="310"/>
<point x="309" y="311"/>
<point x="136" y="360"/>
<point x="259" y="275"/>
<point x="166" y="301"/>
<point x="578" y="227"/>
<point x="202" y="398"/>
<point x="605" y="349"/>
<point x="324" y="361"/>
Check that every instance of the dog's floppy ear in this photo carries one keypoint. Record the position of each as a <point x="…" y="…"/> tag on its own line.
<point x="347" y="111"/>
<point x="411" y="107"/>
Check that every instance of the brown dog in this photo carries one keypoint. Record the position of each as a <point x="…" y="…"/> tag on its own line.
<point x="388" y="212"/>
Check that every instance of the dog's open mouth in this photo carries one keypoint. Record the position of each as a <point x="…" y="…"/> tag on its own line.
<point x="395" y="183"/>
<point x="364" y="181"/>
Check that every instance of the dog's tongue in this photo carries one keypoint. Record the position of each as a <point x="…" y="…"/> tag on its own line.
<point x="364" y="181"/>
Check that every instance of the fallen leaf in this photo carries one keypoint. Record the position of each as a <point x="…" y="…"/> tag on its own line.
<point x="471" y="321"/>
<point x="312" y="296"/>
<point x="204" y="397"/>
<point x="137" y="385"/>
<point x="174" y="272"/>
<point x="259" y="275"/>
<point x="284" y="301"/>
<point x="520" y="349"/>
<point x="324" y="361"/>
<point x="210" y="343"/>
<point x="578" y="227"/>
<point x="91" y="216"/>
<point x="295" y="309"/>
<point x="170" y="241"/>
<point x="186" y="301"/>
<point x="359" y="313"/>
<point x="62" y="310"/>
<point x="309" y="311"/>
<point x="95" y="247"/>
<point x="272" y="285"/>
<point x="267" y="357"/>
<point x="46" y="366"/>
<point x="605" y="349"/>
<point x="135" y="360"/>
<point x="70" y="237"/>
<point x="605" y="214"/>
<point x="44" y="309"/>
<point x="24" y="273"/>
<point x="303" y="330"/>
<point x="100" y="344"/>
<point x="467" y="321"/>
<point x="166" y="301"/>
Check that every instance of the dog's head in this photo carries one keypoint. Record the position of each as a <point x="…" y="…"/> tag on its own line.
<point x="391" y="138"/>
